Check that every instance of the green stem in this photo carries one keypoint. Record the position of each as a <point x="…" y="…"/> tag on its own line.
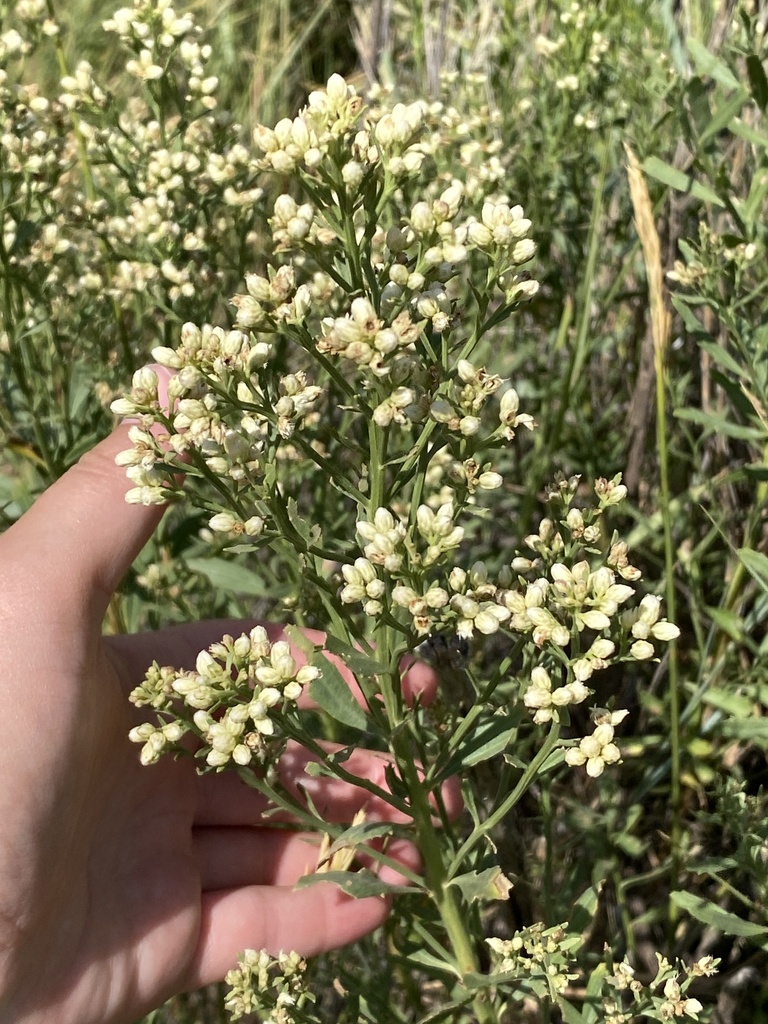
<point x="669" y="565"/>
<point x="506" y="806"/>
<point x="377" y="445"/>
<point x="444" y="897"/>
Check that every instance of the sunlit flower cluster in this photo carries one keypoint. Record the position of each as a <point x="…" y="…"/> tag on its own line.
<point x="665" y="995"/>
<point x="253" y="680"/>
<point x="273" y="987"/>
<point x="598" y="749"/>
<point x="535" y="952"/>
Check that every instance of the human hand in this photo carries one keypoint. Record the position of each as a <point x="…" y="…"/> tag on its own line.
<point x="121" y="885"/>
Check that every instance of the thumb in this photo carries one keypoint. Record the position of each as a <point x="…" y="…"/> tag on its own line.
<point x="80" y="537"/>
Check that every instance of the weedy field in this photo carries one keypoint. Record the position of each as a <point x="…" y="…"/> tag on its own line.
<point x="466" y="307"/>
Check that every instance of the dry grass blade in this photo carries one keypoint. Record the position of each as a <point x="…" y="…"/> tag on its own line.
<point x="649" y="239"/>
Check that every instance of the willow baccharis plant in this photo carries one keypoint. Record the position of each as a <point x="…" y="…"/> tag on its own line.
<point x="354" y="356"/>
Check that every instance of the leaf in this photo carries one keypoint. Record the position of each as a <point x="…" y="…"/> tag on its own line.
<point x="300" y="525"/>
<point x="698" y="101"/>
<point x="708" y="64"/>
<point x="722" y="356"/>
<point x="746" y="131"/>
<point x="583" y="914"/>
<point x="724" y="115"/>
<point x="729" y="622"/>
<point x="334" y="696"/>
<point x="490" y="884"/>
<point x="229" y="576"/>
<point x="360" y="884"/>
<point x="594" y="988"/>
<point x="737" y="705"/>
<point x="756" y="565"/>
<point x="489" y="738"/>
<point x="714" y="867"/>
<point x="356" y="835"/>
<point x="720" y="425"/>
<point x="755" y="730"/>
<point x="679" y="180"/>
<point x="689" y="318"/>
<point x="423" y="958"/>
<point x="710" y="914"/>
<point x="569" y="1013"/>
<point x="758" y="83"/>
<point x="300" y="641"/>
<point x="355" y="660"/>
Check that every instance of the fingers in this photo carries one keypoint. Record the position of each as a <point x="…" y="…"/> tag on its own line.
<point x="179" y="646"/>
<point x="307" y="921"/>
<point x="224" y="799"/>
<point x="236" y="857"/>
<point x="81" y="534"/>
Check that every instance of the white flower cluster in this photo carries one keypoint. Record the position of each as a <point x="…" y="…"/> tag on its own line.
<point x="643" y="623"/>
<point x="155" y="32"/>
<point x="665" y="994"/>
<point x="230" y="442"/>
<point x="598" y="749"/>
<point x="546" y="701"/>
<point x="536" y="953"/>
<point x="367" y="340"/>
<point x="306" y="139"/>
<point x="128" y="201"/>
<point x="574" y="61"/>
<point x="552" y="608"/>
<point x="252" y="679"/>
<point x="267" y="985"/>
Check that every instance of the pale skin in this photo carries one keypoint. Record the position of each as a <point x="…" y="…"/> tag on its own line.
<point x="121" y="885"/>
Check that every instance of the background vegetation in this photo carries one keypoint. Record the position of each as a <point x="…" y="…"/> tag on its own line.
<point x="645" y="352"/>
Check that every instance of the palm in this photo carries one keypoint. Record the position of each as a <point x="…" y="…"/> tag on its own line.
<point x="121" y="885"/>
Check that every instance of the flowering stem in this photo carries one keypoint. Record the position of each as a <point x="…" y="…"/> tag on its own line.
<point x="350" y="246"/>
<point x="444" y="897"/>
<point x="377" y="445"/>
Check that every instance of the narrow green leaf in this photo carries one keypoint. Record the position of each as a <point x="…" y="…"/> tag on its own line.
<point x="489" y="738"/>
<point x="423" y="958"/>
<point x="594" y="988"/>
<point x="746" y="131"/>
<point x="720" y="425"/>
<point x="729" y="622"/>
<point x="301" y="526"/>
<point x="358" y="662"/>
<point x="679" y="180"/>
<point x="360" y="884"/>
<point x="737" y="705"/>
<point x="332" y="694"/>
<point x="724" y="115"/>
<point x="569" y="1012"/>
<point x="723" y="357"/>
<point x="758" y="83"/>
<point x="300" y="640"/>
<point x="363" y="833"/>
<point x="716" y="917"/>
<point x="689" y="318"/>
<point x="714" y="867"/>
<point x="755" y="730"/>
<point x="583" y="914"/>
<point x="708" y="64"/>
<point x="756" y="565"/>
<point x="229" y="576"/>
